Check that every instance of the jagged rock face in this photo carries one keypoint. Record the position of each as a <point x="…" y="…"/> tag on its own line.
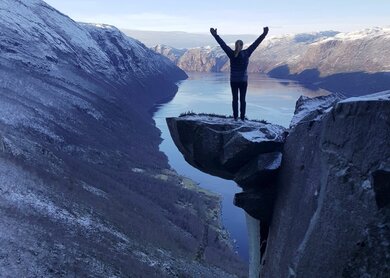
<point x="80" y="172"/>
<point x="330" y="218"/>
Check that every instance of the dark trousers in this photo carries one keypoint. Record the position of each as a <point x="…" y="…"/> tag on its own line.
<point x="239" y="86"/>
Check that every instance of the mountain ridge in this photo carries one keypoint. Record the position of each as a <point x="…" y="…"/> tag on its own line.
<point x="329" y="60"/>
<point x="81" y="174"/>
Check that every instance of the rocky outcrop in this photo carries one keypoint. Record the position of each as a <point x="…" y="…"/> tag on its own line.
<point x="313" y="109"/>
<point x="330" y="189"/>
<point x="331" y="214"/>
<point x="225" y="148"/>
<point x="247" y="152"/>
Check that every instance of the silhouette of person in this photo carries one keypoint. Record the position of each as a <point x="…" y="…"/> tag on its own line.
<point x="239" y="60"/>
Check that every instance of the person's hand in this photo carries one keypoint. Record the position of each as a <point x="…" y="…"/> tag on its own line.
<point x="265" y="30"/>
<point x="213" y="31"/>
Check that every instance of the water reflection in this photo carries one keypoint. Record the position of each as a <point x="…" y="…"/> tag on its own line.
<point x="267" y="99"/>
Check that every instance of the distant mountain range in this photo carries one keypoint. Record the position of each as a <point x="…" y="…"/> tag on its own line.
<point x="183" y="39"/>
<point x="352" y="63"/>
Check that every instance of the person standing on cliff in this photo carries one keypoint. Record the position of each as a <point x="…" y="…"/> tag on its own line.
<point x="239" y="60"/>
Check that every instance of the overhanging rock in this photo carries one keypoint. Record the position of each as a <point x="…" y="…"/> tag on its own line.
<point x="225" y="148"/>
<point x="247" y="152"/>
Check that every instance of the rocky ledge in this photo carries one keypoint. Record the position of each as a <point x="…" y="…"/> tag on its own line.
<point x="247" y="152"/>
<point x="322" y="187"/>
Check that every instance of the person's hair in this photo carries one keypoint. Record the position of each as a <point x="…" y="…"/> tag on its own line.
<point x="238" y="47"/>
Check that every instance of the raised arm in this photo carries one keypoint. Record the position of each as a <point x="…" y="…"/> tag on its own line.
<point x="229" y="52"/>
<point x="256" y="43"/>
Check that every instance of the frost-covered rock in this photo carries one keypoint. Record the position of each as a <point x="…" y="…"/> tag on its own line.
<point x="247" y="152"/>
<point x="313" y="109"/>
<point x="377" y="97"/>
<point x="331" y="215"/>
<point x="224" y="147"/>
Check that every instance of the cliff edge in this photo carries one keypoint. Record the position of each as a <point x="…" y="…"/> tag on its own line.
<point x="329" y="208"/>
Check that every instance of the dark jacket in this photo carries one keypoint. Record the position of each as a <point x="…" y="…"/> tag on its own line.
<point x="239" y="64"/>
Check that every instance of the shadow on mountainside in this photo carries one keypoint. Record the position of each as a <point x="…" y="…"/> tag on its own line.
<point x="350" y="84"/>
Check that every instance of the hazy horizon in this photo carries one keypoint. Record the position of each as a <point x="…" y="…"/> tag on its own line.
<point x="251" y="34"/>
<point x="246" y="18"/>
<point x="186" y="40"/>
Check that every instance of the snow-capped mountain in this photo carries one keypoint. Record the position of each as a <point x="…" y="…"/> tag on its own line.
<point x="365" y="50"/>
<point x="84" y="190"/>
<point x="311" y="58"/>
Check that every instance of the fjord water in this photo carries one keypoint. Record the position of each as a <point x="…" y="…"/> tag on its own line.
<point x="269" y="99"/>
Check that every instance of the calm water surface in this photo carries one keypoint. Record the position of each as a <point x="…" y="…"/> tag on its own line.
<point x="269" y="99"/>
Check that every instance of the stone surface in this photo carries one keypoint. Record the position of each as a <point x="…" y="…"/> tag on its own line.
<point x="247" y="152"/>
<point x="330" y="195"/>
<point x="371" y="255"/>
<point x="261" y="170"/>
<point x="309" y="109"/>
<point x="331" y="214"/>
<point x="257" y="203"/>
<point x="223" y="147"/>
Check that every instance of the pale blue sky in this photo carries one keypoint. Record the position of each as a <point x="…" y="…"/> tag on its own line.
<point x="230" y="16"/>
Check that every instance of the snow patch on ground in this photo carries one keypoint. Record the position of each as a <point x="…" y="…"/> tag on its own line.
<point x="94" y="190"/>
<point x="21" y="192"/>
<point x="383" y="32"/>
<point x="215" y="120"/>
<point x="250" y="130"/>
<point x="305" y="106"/>
<point x="32" y="203"/>
<point x="381" y="96"/>
<point x="269" y="134"/>
<point x="366" y="185"/>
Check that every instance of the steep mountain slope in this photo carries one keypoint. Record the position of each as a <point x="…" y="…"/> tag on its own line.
<point x="81" y="177"/>
<point x="172" y="54"/>
<point x="351" y="63"/>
